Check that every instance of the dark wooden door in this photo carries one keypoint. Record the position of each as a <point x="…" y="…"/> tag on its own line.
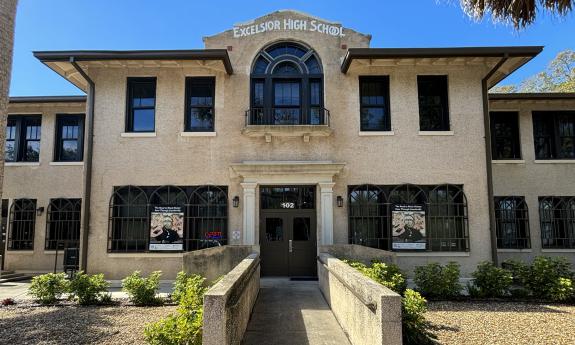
<point x="302" y="246"/>
<point x="274" y="244"/>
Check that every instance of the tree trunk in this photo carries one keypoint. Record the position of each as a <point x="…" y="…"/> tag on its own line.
<point x="7" y="20"/>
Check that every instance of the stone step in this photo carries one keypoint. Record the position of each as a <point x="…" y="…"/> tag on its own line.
<point x="14" y="277"/>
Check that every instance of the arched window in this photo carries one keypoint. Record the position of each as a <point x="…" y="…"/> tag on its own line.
<point x="287" y="87"/>
<point x="63" y="224"/>
<point x="368" y="217"/>
<point x="22" y="224"/>
<point x="207" y="218"/>
<point x="557" y="217"/>
<point x="129" y="220"/>
<point x="512" y="222"/>
<point x="370" y="211"/>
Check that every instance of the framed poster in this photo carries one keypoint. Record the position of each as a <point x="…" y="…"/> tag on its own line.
<point x="167" y="228"/>
<point x="408" y="227"/>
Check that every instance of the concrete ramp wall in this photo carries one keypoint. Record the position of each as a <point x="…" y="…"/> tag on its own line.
<point x="368" y="312"/>
<point x="214" y="262"/>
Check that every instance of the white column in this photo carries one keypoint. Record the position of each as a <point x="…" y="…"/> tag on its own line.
<point x="326" y="197"/>
<point x="249" y="213"/>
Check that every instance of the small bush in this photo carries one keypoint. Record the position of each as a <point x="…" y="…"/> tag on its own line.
<point x="415" y="329"/>
<point x="142" y="291"/>
<point x="48" y="288"/>
<point x="89" y="289"/>
<point x="8" y="301"/>
<point x="187" y="288"/>
<point x="561" y="290"/>
<point x="545" y="278"/>
<point x="490" y="281"/>
<point x="388" y="275"/>
<point x="436" y="281"/>
<point x="519" y="271"/>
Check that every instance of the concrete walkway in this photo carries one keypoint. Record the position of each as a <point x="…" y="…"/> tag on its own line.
<point x="294" y="313"/>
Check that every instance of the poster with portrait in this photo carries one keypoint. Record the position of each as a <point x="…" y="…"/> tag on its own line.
<point x="408" y="227"/>
<point x="167" y="228"/>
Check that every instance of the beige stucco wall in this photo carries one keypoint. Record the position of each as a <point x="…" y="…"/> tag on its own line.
<point x="169" y="158"/>
<point x="533" y="179"/>
<point x="42" y="182"/>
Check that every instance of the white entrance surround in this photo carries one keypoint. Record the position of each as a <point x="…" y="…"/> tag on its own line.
<point x="254" y="173"/>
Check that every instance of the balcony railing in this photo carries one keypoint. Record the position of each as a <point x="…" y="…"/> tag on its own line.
<point x="287" y="116"/>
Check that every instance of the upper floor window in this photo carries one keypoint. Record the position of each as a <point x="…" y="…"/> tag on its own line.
<point x="557" y="217"/>
<point x="141" y="107"/>
<point x="200" y="104"/>
<point x="433" y="102"/>
<point x="554" y="134"/>
<point x="374" y="103"/>
<point x="512" y="222"/>
<point x="69" y="138"/>
<point x="23" y="138"/>
<point x="287" y="87"/>
<point x="505" y="135"/>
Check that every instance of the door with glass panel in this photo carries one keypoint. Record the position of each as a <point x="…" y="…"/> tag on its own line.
<point x="287" y="102"/>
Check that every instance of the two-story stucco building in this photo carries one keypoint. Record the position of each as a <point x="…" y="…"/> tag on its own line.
<point x="288" y="132"/>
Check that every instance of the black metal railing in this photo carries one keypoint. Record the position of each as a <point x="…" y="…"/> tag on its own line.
<point x="282" y="116"/>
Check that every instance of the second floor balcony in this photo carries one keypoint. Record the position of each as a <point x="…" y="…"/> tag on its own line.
<point x="287" y="122"/>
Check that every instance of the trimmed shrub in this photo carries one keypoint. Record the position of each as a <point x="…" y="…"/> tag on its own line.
<point x="185" y="326"/>
<point x="545" y="278"/>
<point x="388" y="275"/>
<point x="490" y="281"/>
<point x="142" y="291"/>
<point x="89" y="289"/>
<point x="48" y="288"/>
<point x="561" y="289"/>
<point x="415" y="329"/>
<point x="436" y="281"/>
<point x="519" y="271"/>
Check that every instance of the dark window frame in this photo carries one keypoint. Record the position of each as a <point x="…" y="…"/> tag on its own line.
<point x="63" y="218"/>
<point x="512" y="215"/>
<point x="58" y="144"/>
<point x="447" y="222"/>
<point x="22" y="224"/>
<point x="445" y="121"/>
<point x="21" y="122"/>
<point x="385" y="80"/>
<point x="550" y="119"/>
<point x="515" y="135"/>
<point x="557" y="222"/>
<point x="205" y="80"/>
<point x="131" y="82"/>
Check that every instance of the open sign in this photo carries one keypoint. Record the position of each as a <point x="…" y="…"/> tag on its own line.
<point x="214" y="235"/>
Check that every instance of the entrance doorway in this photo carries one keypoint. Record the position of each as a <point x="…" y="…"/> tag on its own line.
<point x="288" y="236"/>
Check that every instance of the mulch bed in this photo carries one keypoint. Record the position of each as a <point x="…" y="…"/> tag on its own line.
<point x="498" y="322"/>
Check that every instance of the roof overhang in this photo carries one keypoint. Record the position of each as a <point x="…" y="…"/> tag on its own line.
<point x="62" y="61"/>
<point x="47" y="99"/>
<point x="490" y="56"/>
<point x="540" y="96"/>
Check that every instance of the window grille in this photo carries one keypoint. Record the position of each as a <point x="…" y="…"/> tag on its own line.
<point x="63" y="224"/>
<point x="512" y="222"/>
<point x="557" y="218"/>
<point x="22" y="224"/>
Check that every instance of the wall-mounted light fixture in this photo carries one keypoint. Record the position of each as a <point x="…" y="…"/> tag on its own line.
<point x="339" y="201"/>
<point x="40" y="210"/>
<point x="236" y="201"/>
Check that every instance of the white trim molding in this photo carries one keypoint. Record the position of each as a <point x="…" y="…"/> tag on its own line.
<point x="197" y="134"/>
<point x="508" y="250"/>
<point x="249" y="212"/>
<point x="376" y="133"/>
<point x="436" y="133"/>
<point x="138" y="135"/>
<point x="558" y="250"/>
<point x="554" y="161"/>
<point x="22" y="164"/>
<point x="67" y="163"/>
<point x="326" y="208"/>
<point x="145" y="255"/>
<point x="433" y="254"/>
<point x="508" y="161"/>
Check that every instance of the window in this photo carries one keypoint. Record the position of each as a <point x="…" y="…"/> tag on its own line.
<point x="554" y="134"/>
<point x="22" y="224"/>
<point x="505" y="135"/>
<point x="557" y="217"/>
<point x="512" y="222"/>
<point x="141" y="107"/>
<point x="205" y="220"/>
<point x="370" y="215"/>
<point x="23" y="138"/>
<point x="286" y="87"/>
<point x="433" y="102"/>
<point x="282" y="197"/>
<point x="69" y="138"/>
<point x="374" y="103"/>
<point x="200" y="104"/>
<point x="63" y="224"/>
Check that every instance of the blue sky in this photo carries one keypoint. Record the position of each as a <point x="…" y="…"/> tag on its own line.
<point x="181" y="24"/>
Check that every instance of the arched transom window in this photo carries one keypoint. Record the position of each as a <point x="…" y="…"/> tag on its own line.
<point x="287" y="87"/>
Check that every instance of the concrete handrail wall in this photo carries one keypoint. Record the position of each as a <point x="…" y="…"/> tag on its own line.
<point x="359" y="253"/>
<point x="229" y="303"/>
<point x="367" y="311"/>
<point x="212" y="263"/>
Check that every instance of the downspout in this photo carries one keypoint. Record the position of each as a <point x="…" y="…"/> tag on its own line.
<point x="488" y="160"/>
<point x="89" y="141"/>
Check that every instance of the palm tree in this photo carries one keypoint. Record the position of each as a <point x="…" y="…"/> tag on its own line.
<point x="7" y="19"/>
<point x="519" y="12"/>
